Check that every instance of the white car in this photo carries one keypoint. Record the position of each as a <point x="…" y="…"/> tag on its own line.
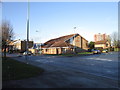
<point x="25" y="53"/>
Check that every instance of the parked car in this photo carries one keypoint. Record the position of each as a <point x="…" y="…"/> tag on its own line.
<point x="96" y="51"/>
<point x="25" y="53"/>
<point x="105" y="51"/>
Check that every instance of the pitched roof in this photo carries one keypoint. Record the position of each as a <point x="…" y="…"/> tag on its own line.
<point x="101" y="42"/>
<point x="59" y="42"/>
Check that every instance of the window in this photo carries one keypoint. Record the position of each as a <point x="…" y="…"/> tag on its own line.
<point x="71" y="41"/>
<point x="106" y="45"/>
<point x="46" y="50"/>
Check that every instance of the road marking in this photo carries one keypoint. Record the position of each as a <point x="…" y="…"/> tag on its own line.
<point x="102" y="59"/>
<point x="44" y="61"/>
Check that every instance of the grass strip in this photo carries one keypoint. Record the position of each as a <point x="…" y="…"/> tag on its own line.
<point x="15" y="70"/>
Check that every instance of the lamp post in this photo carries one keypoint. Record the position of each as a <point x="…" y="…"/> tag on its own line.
<point x="40" y="43"/>
<point x="27" y="43"/>
<point x="74" y="41"/>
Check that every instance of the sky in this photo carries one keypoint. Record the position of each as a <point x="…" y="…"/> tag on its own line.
<point x="50" y="20"/>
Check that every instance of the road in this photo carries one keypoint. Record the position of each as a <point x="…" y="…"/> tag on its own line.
<point x="94" y="71"/>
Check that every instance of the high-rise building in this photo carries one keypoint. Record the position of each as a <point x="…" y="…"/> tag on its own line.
<point x="100" y="37"/>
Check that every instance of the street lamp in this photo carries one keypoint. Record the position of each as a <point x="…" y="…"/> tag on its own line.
<point x="40" y="43"/>
<point x="27" y="43"/>
<point x="74" y="41"/>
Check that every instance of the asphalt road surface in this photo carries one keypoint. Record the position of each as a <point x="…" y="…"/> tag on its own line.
<point x="94" y="71"/>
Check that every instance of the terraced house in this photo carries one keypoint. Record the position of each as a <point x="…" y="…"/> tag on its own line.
<point x="73" y="43"/>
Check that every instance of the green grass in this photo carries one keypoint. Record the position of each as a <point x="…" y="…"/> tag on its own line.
<point x="52" y="54"/>
<point x="85" y="53"/>
<point x="68" y="55"/>
<point x="82" y="53"/>
<point x="61" y="54"/>
<point x="15" y="70"/>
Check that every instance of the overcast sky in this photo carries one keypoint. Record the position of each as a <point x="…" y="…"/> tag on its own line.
<point x="55" y="19"/>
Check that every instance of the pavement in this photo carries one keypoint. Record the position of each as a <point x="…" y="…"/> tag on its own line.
<point x="93" y="71"/>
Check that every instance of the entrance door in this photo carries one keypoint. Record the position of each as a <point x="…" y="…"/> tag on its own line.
<point x="57" y="52"/>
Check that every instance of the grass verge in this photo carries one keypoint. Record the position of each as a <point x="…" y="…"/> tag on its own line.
<point x="85" y="53"/>
<point x="77" y="54"/>
<point x="15" y="70"/>
<point x="61" y="54"/>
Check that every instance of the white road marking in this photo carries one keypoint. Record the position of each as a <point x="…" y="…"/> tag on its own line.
<point x="102" y="59"/>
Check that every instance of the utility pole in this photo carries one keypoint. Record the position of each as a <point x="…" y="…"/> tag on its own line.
<point x="27" y="43"/>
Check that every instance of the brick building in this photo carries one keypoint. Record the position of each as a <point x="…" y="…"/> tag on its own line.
<point x="100" y="37"/>
<point x="65" y="44"/>
<point x="21" y="45"/>
<point x="102" y="41"/>
<point x="103" y="44"/>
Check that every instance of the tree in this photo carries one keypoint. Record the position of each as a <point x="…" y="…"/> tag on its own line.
<point x="91" y="45"/>
<point x="114" y="39"/>
<point x="7" y="35"/>
<point x="109" y="39"/>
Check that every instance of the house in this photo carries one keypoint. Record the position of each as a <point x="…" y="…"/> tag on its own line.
<point x="103" y="44"/>
<point x="66" y="44"/>
<point x="21" y="45"/>
<point x="9" y="45"/>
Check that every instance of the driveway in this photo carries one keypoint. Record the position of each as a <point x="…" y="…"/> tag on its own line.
<point x="95" y="71"/>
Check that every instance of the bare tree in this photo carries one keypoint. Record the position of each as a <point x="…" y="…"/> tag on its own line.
<point x="109" y="39"/>
<point x="7" y="34"/>
<point x="114" y="39"/>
